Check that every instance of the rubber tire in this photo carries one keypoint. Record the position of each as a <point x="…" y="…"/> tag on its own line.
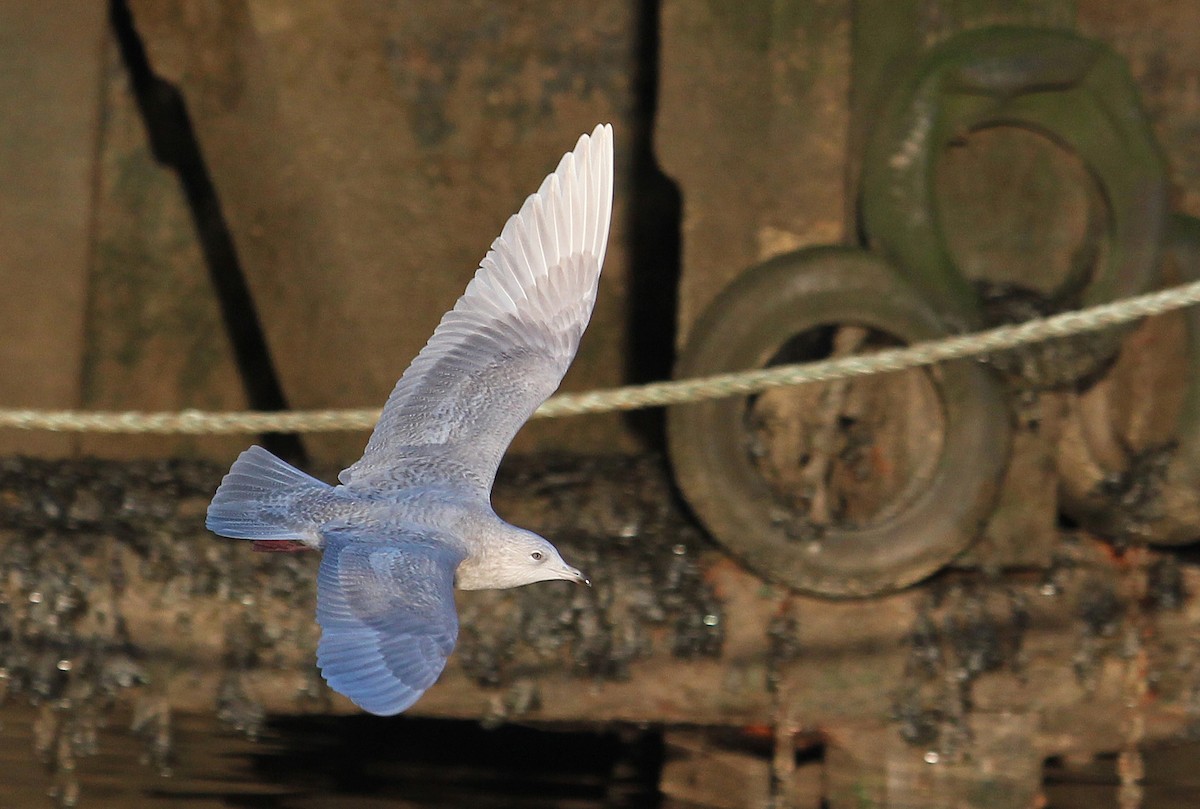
<point x="1082" y="469"/>
<point x="743" y="328"/>
<point x="1074" y="90"/>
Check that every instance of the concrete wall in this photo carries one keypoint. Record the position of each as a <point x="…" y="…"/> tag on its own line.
<point x="364" y="156"/>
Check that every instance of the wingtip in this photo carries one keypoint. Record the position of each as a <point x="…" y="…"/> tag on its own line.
<point x="602" y="133"/>
<point x="601" y="140"/>
<point x="590" y="164"/>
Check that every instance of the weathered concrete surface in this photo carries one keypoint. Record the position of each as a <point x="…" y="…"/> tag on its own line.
<point x="107" y="569"/>
<point x="154" y="339"/>
<point x="1155" y="39"/>
<point x="1022" y="530"/>
<point x="365" y="157"/>
<point x="752" y="124"/>
<point x="50" y="68"/>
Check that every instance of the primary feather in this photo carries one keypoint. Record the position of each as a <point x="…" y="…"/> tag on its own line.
<point x="504" y="347"/>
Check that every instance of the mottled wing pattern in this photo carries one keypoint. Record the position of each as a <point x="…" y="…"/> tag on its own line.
<point x="387" y="615"/>
<point x="505" y="346"/>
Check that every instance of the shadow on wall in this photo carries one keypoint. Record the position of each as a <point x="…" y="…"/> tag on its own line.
<point x="656" y="214"/>
<point x="173" y="141"/>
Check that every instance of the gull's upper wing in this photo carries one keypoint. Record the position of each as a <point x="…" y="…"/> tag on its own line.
<point x="509" y="339"/>
<point x="387" y="616"/>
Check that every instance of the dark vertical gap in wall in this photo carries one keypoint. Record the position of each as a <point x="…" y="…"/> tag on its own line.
<point x="173" y="141"/>
<point x="655" y="216"/>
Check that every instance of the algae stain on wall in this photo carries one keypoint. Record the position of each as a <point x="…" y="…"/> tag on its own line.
<point x="154" y="339"/>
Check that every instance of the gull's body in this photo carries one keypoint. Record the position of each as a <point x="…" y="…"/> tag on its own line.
<point x="413" y="518"/>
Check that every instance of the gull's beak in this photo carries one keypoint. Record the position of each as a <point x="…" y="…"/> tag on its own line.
<point x="572" y="574"/>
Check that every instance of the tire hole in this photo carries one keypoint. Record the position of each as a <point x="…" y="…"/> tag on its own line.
<point x="846" y="453"/>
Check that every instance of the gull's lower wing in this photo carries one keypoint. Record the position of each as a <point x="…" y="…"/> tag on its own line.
<point x="505" y="346"/>
<point x="387" y="616"/>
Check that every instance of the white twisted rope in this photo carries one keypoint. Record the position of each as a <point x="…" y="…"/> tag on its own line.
<point x="634" y="397"/>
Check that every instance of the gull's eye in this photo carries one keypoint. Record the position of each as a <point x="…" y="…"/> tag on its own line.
<point x="536" y="556"/>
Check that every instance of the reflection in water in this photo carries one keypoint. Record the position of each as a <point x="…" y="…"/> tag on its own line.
<point x="352" y="762"/>
<point x="362" y="761"/>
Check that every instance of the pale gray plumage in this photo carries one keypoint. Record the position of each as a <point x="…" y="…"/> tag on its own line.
<point x="412" y="517"/>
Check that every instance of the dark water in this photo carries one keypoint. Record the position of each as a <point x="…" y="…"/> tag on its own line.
<point x="1172" y="780"/>
<point x="363" y="762"/>
<point x="353" y="762"/>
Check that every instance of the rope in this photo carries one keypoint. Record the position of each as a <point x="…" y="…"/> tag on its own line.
<point x="978" y="344"/>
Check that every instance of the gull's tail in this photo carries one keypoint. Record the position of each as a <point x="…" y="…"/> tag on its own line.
<point x="264" y="498"/>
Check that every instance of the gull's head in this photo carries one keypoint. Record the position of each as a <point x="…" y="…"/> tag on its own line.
<point x="524" y="558"/>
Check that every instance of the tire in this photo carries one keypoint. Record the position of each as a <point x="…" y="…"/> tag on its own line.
<point x="1091" y="455"/>
<point x="746" y="326"/>
<point x="1073" y="90"/>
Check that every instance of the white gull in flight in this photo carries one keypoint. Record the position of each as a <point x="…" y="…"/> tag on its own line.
<point x="412" y="518"/>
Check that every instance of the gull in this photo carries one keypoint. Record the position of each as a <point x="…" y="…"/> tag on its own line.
<point x="412" y="518"/>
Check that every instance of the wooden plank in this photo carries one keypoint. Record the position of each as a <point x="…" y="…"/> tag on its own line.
<point x="365" y="161"/>
<point x="50" y="67"/>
